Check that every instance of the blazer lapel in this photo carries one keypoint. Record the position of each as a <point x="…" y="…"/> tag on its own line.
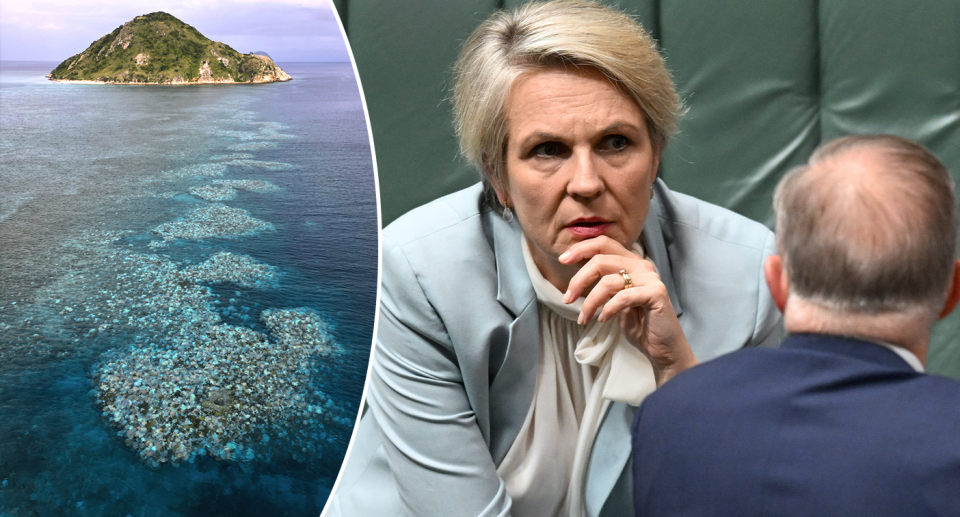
<point x="612" y="446"/>
<point x="656" y="246"/>
<point x="611" y="451"/>
<point x="513" y="383"/>
<point x="514" y="290"/>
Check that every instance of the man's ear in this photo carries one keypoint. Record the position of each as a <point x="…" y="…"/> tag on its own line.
<point x="777" y="280"/>
<point x="953" y="292"/>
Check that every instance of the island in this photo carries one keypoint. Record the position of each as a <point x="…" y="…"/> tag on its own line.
<point x="157" y="48"/>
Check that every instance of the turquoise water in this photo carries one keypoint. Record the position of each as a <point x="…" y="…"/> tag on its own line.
<point x="187" y="293"/>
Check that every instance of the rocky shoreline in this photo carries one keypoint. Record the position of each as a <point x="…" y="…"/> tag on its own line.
<point x="176" y="83"/>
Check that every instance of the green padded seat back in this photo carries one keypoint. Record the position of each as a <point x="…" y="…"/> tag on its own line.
<point x="739" y="57"/>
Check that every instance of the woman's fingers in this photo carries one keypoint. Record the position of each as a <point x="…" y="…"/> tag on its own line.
<point x="652" y="296"/>
<point x="602" y="265"/>
<point x="587" y="249"/>
<point x="648" y="320"/>
<point x="610" y="287"/>
<point x="643" y="305"/>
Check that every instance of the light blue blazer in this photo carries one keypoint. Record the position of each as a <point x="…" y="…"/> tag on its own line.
<point x="455" y="364"/>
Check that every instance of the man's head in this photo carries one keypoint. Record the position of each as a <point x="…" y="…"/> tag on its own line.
<point x="868" y="227"/>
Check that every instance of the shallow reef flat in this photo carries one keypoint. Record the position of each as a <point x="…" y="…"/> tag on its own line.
<point x="239" y="135"/>
<point x="252" y="146"/>
<point x="259" y="164"/>
<point x="225" y="392"/>
<point x="266" y="135"/>
<point x="262" y="134"/>
<point x="202" y="170"/>
<point x="204" y="387"/>
<point x="191" y="385"/>
<point x="238" y="269"/>
<point x="219" y="168"/>
<point x="213" y="221"/>
<point x="268" y="125"/>
<point x="258" y="186"/>
<point x="167" y="195"/>
<point x="225" y="190"/>
<point x="232" y="156"/>
<point x="211" y="193"/>
<point x="120" y="292"/>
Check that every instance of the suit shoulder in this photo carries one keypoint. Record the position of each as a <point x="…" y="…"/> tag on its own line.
<point x="438" y="243"/>
<point x="438" y="216"/>
<point x="941" y="386"/>
<point x="728" y="372"/>
<point x="687" y="214"/>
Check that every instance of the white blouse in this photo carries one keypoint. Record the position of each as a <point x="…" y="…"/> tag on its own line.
<point x="582" y="369"/>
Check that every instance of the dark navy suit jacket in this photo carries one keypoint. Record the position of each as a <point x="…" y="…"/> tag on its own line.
<point x="822" y="426"/>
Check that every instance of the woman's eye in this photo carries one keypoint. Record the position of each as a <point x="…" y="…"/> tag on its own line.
<point x="547" y="150"/>
<point x="616" y="142"/>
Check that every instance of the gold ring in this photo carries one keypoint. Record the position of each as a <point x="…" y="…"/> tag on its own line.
<point x="627" y="282"/>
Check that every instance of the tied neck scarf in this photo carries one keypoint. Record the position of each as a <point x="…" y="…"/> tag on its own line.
<point x="582" y="369"/>
<point x="601" y="345"/>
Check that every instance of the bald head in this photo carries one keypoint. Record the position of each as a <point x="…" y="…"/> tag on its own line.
<point x="868" y="226"/>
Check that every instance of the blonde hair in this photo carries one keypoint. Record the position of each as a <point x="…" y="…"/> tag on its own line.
<point x="539" y="36"/>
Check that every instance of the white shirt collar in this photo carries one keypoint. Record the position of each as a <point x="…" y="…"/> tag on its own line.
<point x="908" y="356"/>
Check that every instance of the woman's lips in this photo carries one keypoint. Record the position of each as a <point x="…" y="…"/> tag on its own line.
<point x="586" y="229"/>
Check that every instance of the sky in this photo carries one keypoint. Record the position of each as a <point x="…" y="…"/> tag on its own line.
<point x="287" y="30"/>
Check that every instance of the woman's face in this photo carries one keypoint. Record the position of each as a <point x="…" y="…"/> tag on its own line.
<point x="580" y="164"/>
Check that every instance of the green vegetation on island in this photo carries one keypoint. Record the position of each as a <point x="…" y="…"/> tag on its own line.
<point x="157" y="48"/>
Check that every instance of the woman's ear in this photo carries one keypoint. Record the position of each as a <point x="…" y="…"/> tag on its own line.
<point x="656" y="166"/>
<point x="499" y="190"/>
<point x="777" y="280"/>
<point x="656" y="171"/>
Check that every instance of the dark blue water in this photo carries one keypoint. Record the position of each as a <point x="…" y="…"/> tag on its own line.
<point x="90" y="176"/>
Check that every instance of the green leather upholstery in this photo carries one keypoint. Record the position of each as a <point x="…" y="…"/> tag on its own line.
<point x="752" y="96"/>
<point x="765" y="83"/>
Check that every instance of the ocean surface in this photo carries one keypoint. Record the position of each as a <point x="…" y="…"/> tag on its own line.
<point x="188" y="283"/>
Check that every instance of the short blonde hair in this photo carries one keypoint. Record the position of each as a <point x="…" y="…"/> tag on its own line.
<point x="539" y="36"/>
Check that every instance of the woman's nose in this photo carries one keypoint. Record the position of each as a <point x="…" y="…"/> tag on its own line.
<point x="585" y="180"/>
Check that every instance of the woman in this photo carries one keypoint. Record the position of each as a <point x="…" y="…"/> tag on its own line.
<point x="524" y="319"/>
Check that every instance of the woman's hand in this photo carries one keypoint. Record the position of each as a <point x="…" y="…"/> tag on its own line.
<point x="646" y="315"/>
